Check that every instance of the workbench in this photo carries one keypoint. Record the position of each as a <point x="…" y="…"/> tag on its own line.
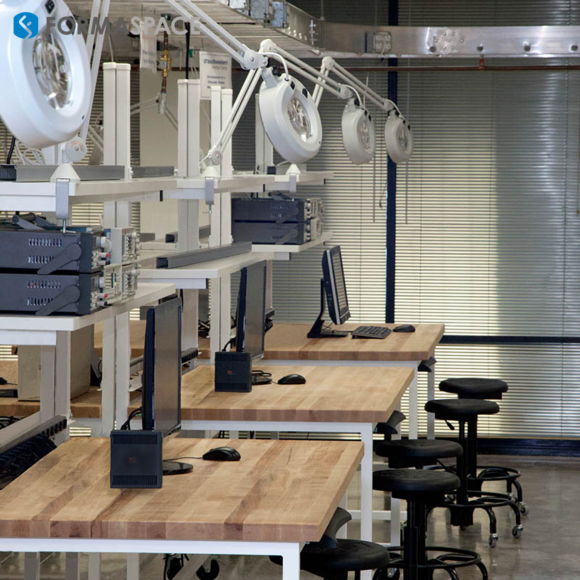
<point x="280" y="495"/>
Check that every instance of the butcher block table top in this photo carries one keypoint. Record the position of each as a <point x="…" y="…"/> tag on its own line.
<point x="331" y="394"/>
<point x="281" y="491"/>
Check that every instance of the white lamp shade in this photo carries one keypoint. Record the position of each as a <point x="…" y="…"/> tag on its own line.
<point x="290" y="117"/>
<point x="46" y="91"/>
<point x="358" y="134"/>
<point x="398" y="138"/>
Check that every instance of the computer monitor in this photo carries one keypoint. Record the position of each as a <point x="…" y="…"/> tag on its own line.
<point x="333" y="288"/>
<point x="251" y="313"/>
<point x="161" y="405"/>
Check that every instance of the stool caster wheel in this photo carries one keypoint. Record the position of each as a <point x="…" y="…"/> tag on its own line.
<point x="493" y="538"/>
<point x="387" y="574"/>
<point x="212" y="574"/>
<point x="524" y="510"/>
<point x="518" y="531"/>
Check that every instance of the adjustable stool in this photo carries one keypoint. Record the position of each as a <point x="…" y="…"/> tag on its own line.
<point x="474" y="388"/>
<point x="466" y="412"/>
<point x="423" y="489"/>
<point x="333" y="559"/>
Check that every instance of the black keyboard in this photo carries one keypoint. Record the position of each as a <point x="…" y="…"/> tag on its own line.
<point x="371" y="332"/>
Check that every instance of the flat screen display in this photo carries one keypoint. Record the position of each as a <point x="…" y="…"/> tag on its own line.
<point x="252" y="311"/>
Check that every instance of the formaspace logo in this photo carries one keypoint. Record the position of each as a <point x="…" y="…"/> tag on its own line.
<point x="26" y="25"/>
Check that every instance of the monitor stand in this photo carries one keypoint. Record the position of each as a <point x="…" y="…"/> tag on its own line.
<point x="317" y="330"/>
<point x="176" y="467"/>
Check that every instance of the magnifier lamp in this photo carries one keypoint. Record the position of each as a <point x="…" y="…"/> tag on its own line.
<point x="290" y="117"/>
<point x="45" y="94"/>
<point x="358" y="133"/>
<point x="398" y="138"/>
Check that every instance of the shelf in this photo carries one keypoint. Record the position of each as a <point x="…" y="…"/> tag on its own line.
<point x="289" y="181"/>
<point x="195" y="277"/>
<point x="41" y="197"/>
<point x="18" y="329"/>
<point x="284" y="252"/>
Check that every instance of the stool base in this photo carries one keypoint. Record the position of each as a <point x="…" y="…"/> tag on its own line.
<point x="448" y="559"/>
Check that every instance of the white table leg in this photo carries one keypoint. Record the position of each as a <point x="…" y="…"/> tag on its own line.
<point x="123" y="364"/>
<point x="366" y="490"/>
<point x="47" y="382"/>
<point x="62" y="381"/>
<point x="430" y="397"/>
<point x="94" y="567"/>
<point x="108" y="377"/>
<point x="413" y="408"/>
<point x="133" y="566"/>
<point x="73" y="566"/>
<point x="31" y="566"/>
<point x="291" y="563"/>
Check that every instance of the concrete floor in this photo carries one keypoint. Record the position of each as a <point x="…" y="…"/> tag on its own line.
<point x="549" y="549"/>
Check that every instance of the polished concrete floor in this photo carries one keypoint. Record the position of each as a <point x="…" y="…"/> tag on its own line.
<point x="549" y="548"/>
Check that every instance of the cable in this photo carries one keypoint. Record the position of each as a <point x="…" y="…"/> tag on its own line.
<point x="276" y="56"/>
<point x="127" y="424"/>
<point x="10" y="151"/>
<point x="178" y="458"/>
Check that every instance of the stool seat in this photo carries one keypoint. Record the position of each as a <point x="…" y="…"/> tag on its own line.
<point x="418" y="449"/>
<point x="474" y="387"/>
<point x="415" y="481"/>
<point x="336" y="562"/>
<point x="461" y="409"/>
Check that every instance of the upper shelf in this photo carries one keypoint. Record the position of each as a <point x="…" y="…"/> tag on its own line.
<point x="41" y="196"/>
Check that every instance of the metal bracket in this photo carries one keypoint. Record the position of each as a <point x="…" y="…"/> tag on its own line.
<point x="62" y="187"/>
<point x="259" y="10"/>
<point x="279" y="19"/>
<point x="209" y="190"/>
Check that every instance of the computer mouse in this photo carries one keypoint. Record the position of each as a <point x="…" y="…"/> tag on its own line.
<point x="222" y="454"/>
<point x="404" y="328"/>
<point x="292" y="380"/>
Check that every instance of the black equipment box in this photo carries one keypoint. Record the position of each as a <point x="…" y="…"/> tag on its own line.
<point x="44" y="295"/>
<point x="46" y="252"/>
<point x="233" y="372"/>
<point x="136" y="459"/>
<point x="274" y="233"/>
<point x="275" y="210"/>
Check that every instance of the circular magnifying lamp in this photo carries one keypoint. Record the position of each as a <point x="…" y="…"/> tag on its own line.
<point x="358" y="133"/>
<point x="398" y="138"/>
<point x="290" y="117"/>
<point x="46" y="92"/>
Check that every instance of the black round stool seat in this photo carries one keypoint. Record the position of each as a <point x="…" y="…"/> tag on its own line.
<point x="420" y="481"/>
<point x="461" y="409"/>
<point x="474" y="388"/>
<point x="347" y="556"/>
<point x="418" y="449"/>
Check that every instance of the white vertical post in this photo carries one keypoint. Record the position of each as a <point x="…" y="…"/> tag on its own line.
<point x="133" y="566"/>
<point x="188" y="154"/>
<point x="227" y="171"/>
<point x="264" y="148"/>
<point x="47" y="382"/>
<point x="413" y="406"/>
<point x="62" y="376"/>
<point x="31" y="566"/>
<point x="94" y="567"/>
<point x="108" y="377"/>
<point x="122" y="371"/>
<point x="117" y="133"/>
<point x="366" y="495"/>
<point x="291" y="564"/>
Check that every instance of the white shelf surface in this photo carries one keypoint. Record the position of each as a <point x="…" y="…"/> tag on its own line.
<point x="41" y="330"/>
<point x="194" y="188"/>
<point x="195" y="277"/>
<point x="284" y="181"/>
<point x="283" y="252"/>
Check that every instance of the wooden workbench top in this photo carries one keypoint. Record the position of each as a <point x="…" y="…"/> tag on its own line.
<point x="137" y="336"/>
<point x="279" y="491"/>
<point x="333" y="394"/>
<point x="289" y="342"/>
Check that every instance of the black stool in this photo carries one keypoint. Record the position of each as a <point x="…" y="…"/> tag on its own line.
<point x="417" y="453"/>
<point x="466" y="412"/>
<point x="475" y="388"/>
<point x="422" y="489"/>
<point x="333" y="559"/>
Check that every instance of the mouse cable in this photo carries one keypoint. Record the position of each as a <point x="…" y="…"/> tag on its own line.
<point x="178" y="458"/>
